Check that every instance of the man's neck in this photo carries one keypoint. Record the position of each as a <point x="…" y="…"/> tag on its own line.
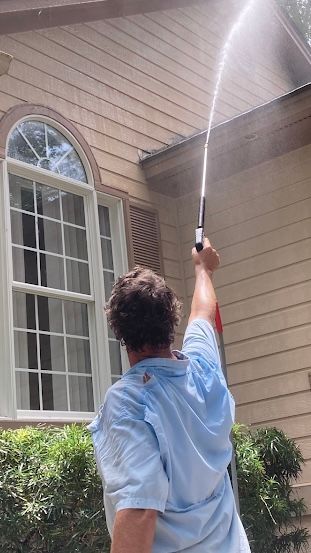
<point x="147" y="353"/>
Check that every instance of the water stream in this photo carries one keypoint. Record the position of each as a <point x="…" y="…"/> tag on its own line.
<point x="223" y="59"/>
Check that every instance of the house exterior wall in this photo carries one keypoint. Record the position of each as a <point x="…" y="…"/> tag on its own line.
<point x="260" y="221"/>
<point x="137" y="83"/>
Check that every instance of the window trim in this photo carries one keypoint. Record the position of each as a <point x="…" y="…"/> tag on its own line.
<point x="87" y="192"/>
<point x="101" y="370"/>
<point x="94" y="193"/>
<point x="21" y="112"/>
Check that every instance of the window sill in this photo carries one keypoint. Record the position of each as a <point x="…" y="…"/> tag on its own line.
<point x="47" y="417"/>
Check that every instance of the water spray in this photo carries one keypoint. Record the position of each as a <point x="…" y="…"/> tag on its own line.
<point x="199" y="233"/>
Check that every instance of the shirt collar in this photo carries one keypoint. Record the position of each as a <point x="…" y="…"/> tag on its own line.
<point x="169" y="367"/>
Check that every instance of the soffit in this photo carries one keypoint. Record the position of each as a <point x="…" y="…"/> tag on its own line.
<point x="264" y="133"/>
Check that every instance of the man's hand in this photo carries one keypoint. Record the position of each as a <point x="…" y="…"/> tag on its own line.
<point x="208" y="257"/>
<point x="133" y="531"/>
<point x="204" y="299"/>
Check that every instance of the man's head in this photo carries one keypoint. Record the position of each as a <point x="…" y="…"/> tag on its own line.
<point x="143" y="311"/>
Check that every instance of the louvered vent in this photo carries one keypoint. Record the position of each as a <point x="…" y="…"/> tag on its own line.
<point x="146" y="238"/>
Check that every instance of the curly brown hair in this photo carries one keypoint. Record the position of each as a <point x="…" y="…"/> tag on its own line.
<point x="143" y="311"/>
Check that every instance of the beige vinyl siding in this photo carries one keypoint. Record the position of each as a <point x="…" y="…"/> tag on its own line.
<point x="134" y="84"/>
<point x="260" y="220"/>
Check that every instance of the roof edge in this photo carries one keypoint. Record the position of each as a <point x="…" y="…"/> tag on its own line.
<point x="19" y="16"/>
<point x="150" y="157"/>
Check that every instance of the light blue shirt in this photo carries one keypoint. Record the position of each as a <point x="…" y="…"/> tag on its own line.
<point x="165" y="444"/>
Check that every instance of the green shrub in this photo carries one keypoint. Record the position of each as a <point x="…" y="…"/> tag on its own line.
<point x="50" y="493"/>
<point x="267" y="463"/>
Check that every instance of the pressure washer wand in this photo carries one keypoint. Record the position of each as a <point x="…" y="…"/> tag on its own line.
<point x="199" y="233"/>
<point x="199" y="244"/>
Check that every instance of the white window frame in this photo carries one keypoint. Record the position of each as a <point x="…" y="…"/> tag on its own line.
<point x="98" y="330"/>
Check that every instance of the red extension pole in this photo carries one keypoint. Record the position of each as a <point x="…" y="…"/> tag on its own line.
<point x="219" y="328"/>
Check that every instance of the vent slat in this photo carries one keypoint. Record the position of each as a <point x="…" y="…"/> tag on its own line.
<point x="146" y="238"/>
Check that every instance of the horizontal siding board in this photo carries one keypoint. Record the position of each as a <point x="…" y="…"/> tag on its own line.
<point x="29" y="85"/>
<point x="137" y="71"/>
<point x="93" y="60"/>
<point x="256" y="248"/>
<point x="158" y="25"/>
<point x="268" y="366"/>
<point x="295" y="427"/>
<point x="254" y="286"/>
<point x="267" y="68"/>
<point x="196" y="86"/>
<point x="151" y="68"/>
<point x="218" y="32"/>
<point x="170" y="250"/>
<point x="268" y="323"/>
<point x="269" y="207"/>
<point x="262" y="264"/>
<point x="208" y="53"/>
<point x="305" y="477"/>
<point x="171" y="268"/>
<point x="267" y="303"/>
<point x="272" y="409"/>
<point x="305" y="446"/>
<point x="272" y="387"/>
<point x="26" y="49"/>
<point x="305" y="493"/>
<point x="141" y="27"/>
<point x="270" y="344"/>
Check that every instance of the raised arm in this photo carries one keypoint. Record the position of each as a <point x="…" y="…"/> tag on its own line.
<point x="204" y="298"/>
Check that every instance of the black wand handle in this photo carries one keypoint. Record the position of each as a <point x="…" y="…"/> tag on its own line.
<point x="199" y="232"/>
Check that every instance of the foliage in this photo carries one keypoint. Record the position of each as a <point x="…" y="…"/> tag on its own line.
<point x="300" y="12"/>
<point x="50" y="493"/>
<point x="267" y="463"/>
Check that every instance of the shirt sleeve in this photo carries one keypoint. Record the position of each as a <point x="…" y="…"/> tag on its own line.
<point x="200" y="341"/>
<point x="129" y="461"/>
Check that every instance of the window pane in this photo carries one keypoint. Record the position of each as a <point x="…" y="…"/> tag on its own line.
<point x="19" y="149"/>
<point x="52" y="353"/>
<point x="48" y="203"/>
<point x="73" y="209"/>
<point x="81" y="393"/>
<point x="24" y="265"/>
<point x="50" y="236"/>
<point x="52" y="271"/>
<point x="78" y="355"/>
<point x="23" y="229"/>
<point x="24" y="310"/>
<point x="25" y="349"/>
<point x="104" y="220"/>
<point x="21" y="193"/>
<point x="50" y="314"/>
<point x="34" y="132"/>
<point x="77" y="276"/>
<point x="27" y="390"/>
<point x="40" y="144"/>
<point x="108" y="283"/>
<point x="75" y="242"/>
<point x="76" y="318"/>
<point x="72" y="167"/>
<point x="54" y="392"/>
<point x="106" y="253"/>
<point x="115" y="357"/>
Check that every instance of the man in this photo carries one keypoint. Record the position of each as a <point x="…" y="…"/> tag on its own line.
<point x="162" y="436"/>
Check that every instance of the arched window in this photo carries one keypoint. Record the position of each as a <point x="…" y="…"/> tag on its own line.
<point x="57" y="240"/>
<point x="40" y="144"/>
